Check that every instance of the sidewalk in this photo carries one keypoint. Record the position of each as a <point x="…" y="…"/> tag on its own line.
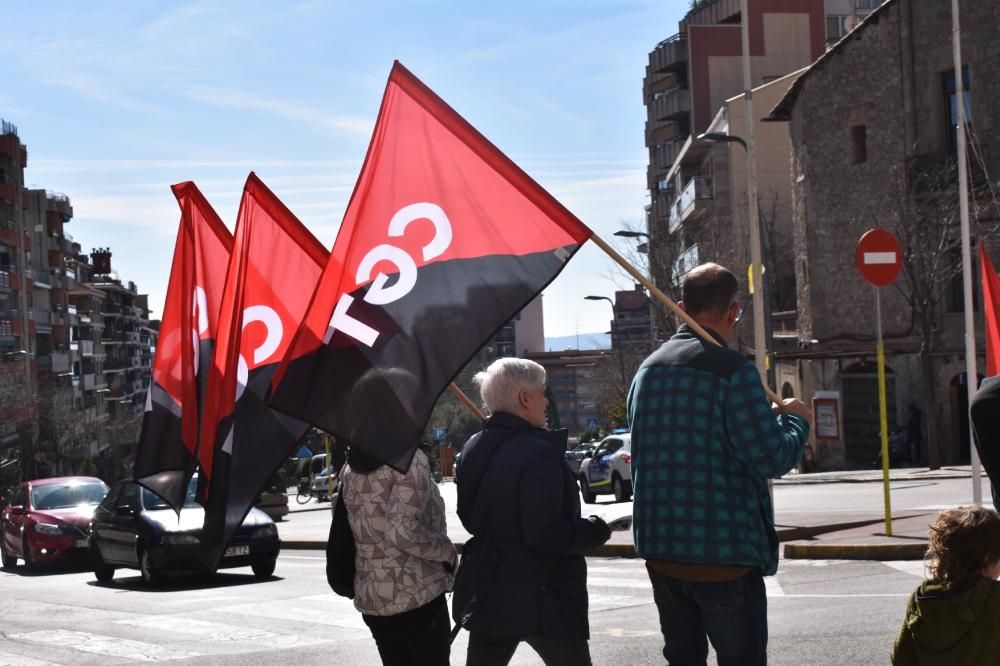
<point x="908" y="541"/>
<point x="875" y="475"/>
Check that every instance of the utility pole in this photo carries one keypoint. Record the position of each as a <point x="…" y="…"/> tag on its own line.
<point x="760" y="342"/>
<point x="972" y="385"/>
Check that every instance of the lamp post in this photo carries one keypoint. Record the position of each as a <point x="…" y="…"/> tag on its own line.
<point x="761" y="311"/>
<point x="621" y="358"/>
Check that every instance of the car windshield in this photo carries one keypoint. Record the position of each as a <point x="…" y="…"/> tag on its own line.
<point x="68" y="495"/>
<point x="151" y="501"/>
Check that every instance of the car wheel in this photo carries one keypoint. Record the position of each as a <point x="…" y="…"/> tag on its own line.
<point x="102" y="571"/>
<point x="588" y="496"/>
<point x="26" y="553"/>
<point x="622" y="493"/>
<point x="265" y="568"/>
<point x="149" y="575"/>
<point x="7" y="561"/>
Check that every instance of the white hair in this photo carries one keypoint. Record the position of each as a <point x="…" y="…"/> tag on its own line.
<point x="501" y="383"/>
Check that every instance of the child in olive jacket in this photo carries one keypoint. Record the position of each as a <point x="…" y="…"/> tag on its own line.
<point x="952" y="618"/>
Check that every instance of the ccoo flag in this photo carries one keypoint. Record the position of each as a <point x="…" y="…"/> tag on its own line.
<point x="168" y="445"/>
<point x="991" y="303"/>
<point x="444" y="240"/>
<point x="272" y="273"/>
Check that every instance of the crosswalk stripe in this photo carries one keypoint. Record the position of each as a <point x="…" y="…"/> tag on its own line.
<point x="110" y="646"/>
<point x="218" y="633"/>
<point x="7" y="659"/>
<point x="325" y="609"/>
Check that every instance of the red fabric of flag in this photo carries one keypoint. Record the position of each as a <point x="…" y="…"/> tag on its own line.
<point x="168" y="444"/>
<point x="991" y="304"/>
<point x="272" y="273"/>
<point x="443" y="241"/>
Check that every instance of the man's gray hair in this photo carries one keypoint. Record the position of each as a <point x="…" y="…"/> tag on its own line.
<point x="501" y="383"/>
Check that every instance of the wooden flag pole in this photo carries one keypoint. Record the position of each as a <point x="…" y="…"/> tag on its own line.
<point x="466" y="400"/>
<point x="666" y="300"/>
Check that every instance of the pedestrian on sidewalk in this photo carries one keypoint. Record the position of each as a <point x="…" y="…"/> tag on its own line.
<point x="705" y="440"/>
<point x="952" y="617"/>
<point x="915" y="434"/>
<point x="985" y="413"/>
<point x="404" y="561"/>
<point x="523" y="576"/>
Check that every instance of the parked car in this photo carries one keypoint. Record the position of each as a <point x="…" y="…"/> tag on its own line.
<point x="321" y="484"/>
<point x="135" y="529"/>
<point x="608" y="470"/>
<point x="46" y="520"/>
<point x="577" y="456"/>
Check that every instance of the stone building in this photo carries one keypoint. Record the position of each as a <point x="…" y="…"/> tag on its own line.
<point x="872" y="126"/>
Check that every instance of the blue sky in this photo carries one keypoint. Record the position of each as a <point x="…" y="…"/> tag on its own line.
<point x="116" y="101"/>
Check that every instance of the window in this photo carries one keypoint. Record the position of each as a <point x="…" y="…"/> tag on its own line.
<point x="867" y="4"/>
<point x="951" y="107"/>
<point x="836" y="27"/>
<point x="859" y="144"/>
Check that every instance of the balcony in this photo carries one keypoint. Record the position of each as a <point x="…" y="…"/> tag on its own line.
<point x="694" y="198"/>
<point x="670" y="55"/>
<point x="687" y="260"/>
<point x="4" y="280"/>
<point x="785" y="324"/>
<point x="673" y="104"/>
<point x="88" y="383"/>
<point x="86" y="348"/>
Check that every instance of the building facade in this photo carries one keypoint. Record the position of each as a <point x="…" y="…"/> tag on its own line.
<point x="879" y="151"/>
<point x="65" y="407"/>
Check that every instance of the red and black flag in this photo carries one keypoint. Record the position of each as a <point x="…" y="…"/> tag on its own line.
<point x="167" y="452"/>
<point x="444" y="240"/>
<point x="273" y="270"/>
<point x="991" y="317"/>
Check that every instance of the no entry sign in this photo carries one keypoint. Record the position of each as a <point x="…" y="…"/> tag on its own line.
<point x="878" y="257"/>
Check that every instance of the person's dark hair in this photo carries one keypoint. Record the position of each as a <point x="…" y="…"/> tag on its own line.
<point x="963" y="541"/>
<point x="709" y="289"/>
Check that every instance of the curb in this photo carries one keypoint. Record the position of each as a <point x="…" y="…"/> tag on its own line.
<point x="884" y="551"/>
<point x="810" y="482"/>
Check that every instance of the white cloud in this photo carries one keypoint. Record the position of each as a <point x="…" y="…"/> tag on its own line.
<point x="291" y="110"/>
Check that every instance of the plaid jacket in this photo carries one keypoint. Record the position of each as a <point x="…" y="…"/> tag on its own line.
<point x="704" y="443"/>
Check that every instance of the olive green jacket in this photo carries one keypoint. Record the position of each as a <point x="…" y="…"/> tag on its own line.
<point x="954" y="623"/>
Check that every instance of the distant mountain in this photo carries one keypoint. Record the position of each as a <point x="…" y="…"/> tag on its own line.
<point x="582" y="341"/>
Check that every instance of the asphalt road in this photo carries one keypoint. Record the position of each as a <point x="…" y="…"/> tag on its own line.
<point x="820" y="613"/>
<point x="795" y="505"/>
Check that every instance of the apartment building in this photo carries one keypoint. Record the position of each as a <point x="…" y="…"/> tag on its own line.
<point x="694" y="85"/>
<point x="63" y="405"/>
<point x="576" y="379"/>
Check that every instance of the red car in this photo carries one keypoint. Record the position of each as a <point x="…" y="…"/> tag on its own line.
<point x="47" y="520"/>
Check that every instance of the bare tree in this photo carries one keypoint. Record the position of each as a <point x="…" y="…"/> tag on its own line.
<point x="928" y="228"/>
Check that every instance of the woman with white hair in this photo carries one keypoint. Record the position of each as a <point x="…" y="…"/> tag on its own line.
<point x="523" y="575"/>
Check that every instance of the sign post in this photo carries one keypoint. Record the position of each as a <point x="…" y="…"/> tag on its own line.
<point x="878" y="258"/>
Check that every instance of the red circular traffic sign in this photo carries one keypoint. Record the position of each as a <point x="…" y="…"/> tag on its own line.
<point x="878" y="257"/>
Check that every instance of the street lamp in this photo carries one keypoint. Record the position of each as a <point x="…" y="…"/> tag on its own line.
<point x="621" y="358"/>
<point x="631" y="234"/>
<point x="761" y="313"/>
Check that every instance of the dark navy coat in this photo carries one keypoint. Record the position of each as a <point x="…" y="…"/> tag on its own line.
<point x="523" y="505"/>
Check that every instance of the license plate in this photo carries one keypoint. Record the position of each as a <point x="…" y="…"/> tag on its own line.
<point x="81" y="543"/>
<point x="236" y="551"/>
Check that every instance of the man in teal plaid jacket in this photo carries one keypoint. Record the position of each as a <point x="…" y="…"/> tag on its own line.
<point x="705" y="440"/>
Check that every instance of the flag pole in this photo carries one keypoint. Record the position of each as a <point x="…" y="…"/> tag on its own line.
<point x="666" y="300"/>
<point x="466" y="400"/>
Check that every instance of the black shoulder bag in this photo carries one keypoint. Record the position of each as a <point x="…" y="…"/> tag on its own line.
<point x="340" y="550"/>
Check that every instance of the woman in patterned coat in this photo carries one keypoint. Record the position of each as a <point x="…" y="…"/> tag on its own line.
<point x="405" y="560"/>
